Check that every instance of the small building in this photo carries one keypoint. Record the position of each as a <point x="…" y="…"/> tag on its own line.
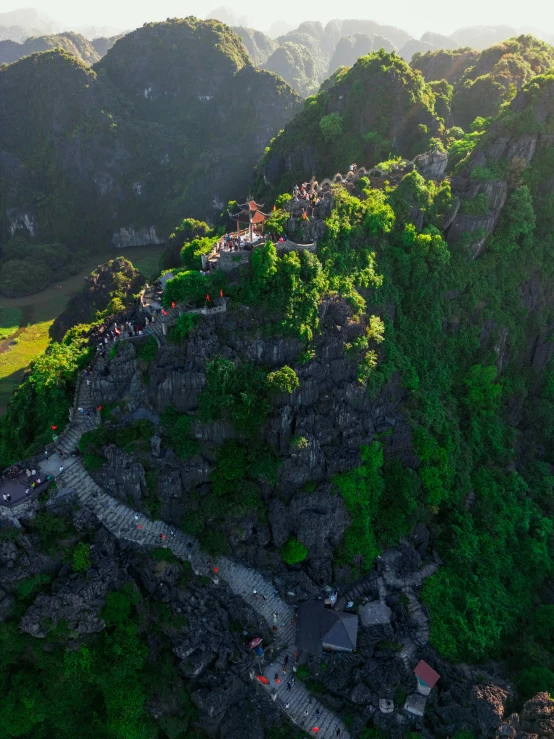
<point x="427" y="678"/>
<point x="415" y="704"/>
<point x="319" y="628"/>
<point x="376" y="616"/>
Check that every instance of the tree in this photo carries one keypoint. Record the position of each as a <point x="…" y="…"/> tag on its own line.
<point x="294" y="552"/>
<point x="81" y="557"/>
<point x="184" y="325"/>
<point x="284" y="380"/>
<point x="331" y="127"/>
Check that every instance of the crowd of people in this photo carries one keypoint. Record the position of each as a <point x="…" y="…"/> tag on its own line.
<point x="31" y="479"/>
<point x="234" y="242"/>
<point x="104" y="335"/>
<point x="308" y="196"/>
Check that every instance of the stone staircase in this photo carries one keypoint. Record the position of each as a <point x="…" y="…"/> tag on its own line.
<point x="417" y="614"/>
<point x="361" y="587"/>
<point x="128" y="525"/>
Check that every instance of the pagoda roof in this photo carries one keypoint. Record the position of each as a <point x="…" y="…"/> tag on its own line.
<point x="251" y="205"/>
<point x="246" y="216"/>
<point x="243" y="216"/>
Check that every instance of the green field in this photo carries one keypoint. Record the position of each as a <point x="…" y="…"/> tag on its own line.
<point x="16" y="358"/>
<point x="10" y="319"/>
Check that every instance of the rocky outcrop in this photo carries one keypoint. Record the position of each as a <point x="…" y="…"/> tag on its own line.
<point x="432" y="165"/>
<point x="77" y="599"/>
<point x="115" y="278"/>
<point x="131" y="236"/>
<point x="123" y="477"/>
<point x="500" y="153"/>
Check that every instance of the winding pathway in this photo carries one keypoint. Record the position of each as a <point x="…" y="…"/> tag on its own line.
<point x="290" y="695"/>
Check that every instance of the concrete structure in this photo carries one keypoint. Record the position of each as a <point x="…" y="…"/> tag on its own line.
<point x="376" y="613"/>
<point x="415" y="704"/>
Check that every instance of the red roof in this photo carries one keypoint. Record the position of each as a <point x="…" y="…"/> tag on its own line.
<point x="427" y="674"/>
<point x="253" y="205"/>
<point x="258" y="218"/>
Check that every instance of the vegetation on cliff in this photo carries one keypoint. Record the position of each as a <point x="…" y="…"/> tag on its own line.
<point x="377" y="107"/>
<point x="483" y="82"/>
<point x="462" y="344"/>
<point x="117" y="152"/>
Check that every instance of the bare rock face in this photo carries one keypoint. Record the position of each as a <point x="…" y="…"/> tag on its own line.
<point x="489" y="702"/>
<point x="77" y="601"/>
<point x="123" y="477"/>
<point x="432" y="165"/>
<point x="535" y="720"/>
<point x="537" y="717"/>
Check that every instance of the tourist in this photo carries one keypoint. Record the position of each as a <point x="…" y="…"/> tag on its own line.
<point x="46" y="453"/>
<point x="28" y="472"/>
<point x="287" y="704"/>
<point x="274" y="618"/>
<point x="277" y="678"/>
<point x="306" y="712"/>
<point x="61" y="469"/>
<point x="255" y="593"/>
<point x="27" y="491"/>
<point x="33" y="473"/>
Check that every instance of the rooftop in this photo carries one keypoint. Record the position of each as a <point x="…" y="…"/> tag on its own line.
<point x="319" y="628"/>
<point x="426" y="673"/>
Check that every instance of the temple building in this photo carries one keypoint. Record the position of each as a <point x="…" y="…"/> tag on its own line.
<point x="250" y="213"/>
<point x="319" y="628"/>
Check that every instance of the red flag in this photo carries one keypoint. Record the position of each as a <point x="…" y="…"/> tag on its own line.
<point x="216" y="570"/>
<point x="274" y="207"/>
<point x="263" y="679"/>
<point x="221" y="293"/>
<point x="173" y="304"/>
<point x="164" y="312"/>
<point x="99" y="408"/>
<point x="315" y="729"/>
<point x="54" y="428"/>
<point x="207" y="297"/>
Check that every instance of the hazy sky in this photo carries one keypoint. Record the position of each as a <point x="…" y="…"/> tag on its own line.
<point x="414" y="17"/>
